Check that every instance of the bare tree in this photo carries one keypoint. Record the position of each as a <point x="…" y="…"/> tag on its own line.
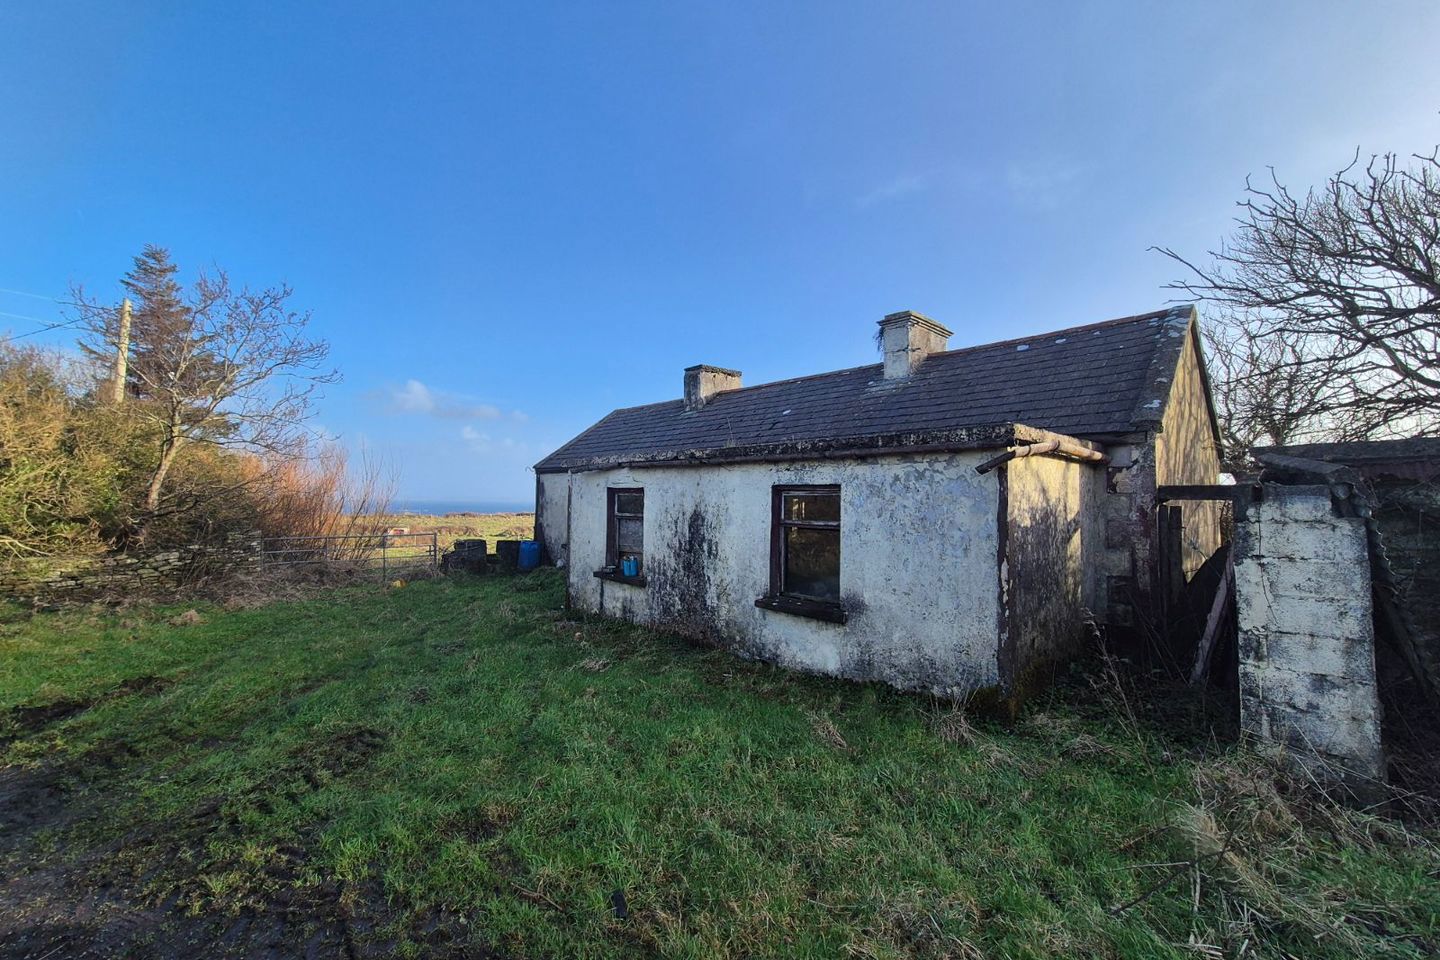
<point x="1275" y="389"/>
<point x="1332" y="304"/>
<point x="232" y="369"/>
<point x="326" y="493"/>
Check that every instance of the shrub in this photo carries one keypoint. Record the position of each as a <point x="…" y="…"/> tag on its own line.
<point x="73" y="475"/>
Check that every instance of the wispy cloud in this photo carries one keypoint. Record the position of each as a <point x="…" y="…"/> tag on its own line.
<point x="478" y="441"/>
<point x="474" y="439"/>
<point x="893" y="189"/>
<point x="1041" y="186"/>
<point x="416" y="398"/>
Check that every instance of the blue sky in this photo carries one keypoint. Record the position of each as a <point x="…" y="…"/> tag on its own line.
<point x="508" y="220"/>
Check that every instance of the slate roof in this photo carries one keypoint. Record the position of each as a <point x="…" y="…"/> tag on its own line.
<point x="1417" y="458"/>
<point x="1097" y="380"/>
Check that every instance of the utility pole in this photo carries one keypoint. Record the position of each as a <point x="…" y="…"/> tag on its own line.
<point x="122" y="355"/>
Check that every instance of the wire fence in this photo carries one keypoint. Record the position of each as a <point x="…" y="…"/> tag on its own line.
<point x="386" y="553"/>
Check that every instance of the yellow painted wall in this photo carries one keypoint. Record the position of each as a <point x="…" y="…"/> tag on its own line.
<point x="1186" y="452"/>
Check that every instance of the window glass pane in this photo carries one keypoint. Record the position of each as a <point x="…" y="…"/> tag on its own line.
<point x="812" y="506"/>
<point x="629" y="535"/>
<point x="629" y="501"/>
<point x="812" y="563"/>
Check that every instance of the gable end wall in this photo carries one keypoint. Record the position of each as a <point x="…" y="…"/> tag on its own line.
<point x="1186" y="452"/>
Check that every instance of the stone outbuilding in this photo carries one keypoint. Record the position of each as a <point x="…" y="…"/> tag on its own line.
<point x="948" y="520"/>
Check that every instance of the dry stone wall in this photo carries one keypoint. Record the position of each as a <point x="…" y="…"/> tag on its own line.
<point x="129" y="574"/>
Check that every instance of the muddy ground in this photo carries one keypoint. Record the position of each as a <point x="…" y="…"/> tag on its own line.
<point x="74" y="884"/>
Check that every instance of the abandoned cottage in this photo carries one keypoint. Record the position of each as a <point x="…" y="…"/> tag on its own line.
<point x="947" y="520"/>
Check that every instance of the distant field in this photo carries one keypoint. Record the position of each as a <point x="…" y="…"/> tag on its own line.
<point x="459" y="526"/>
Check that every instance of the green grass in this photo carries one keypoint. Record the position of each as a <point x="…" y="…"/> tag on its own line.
<point x="468" y="750"/>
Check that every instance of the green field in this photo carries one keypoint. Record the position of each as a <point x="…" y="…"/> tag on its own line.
<point x="454" y="526"/>
<point x="463" y="768"/>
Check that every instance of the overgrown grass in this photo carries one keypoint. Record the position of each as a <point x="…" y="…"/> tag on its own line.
<point x="468" y="751"/>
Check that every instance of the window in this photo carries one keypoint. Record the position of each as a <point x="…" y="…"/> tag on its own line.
<point x="625" y="540"/>
<point x="805" y="552"/>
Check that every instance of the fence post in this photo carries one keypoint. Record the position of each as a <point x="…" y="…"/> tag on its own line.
<point x="384" y="558"/>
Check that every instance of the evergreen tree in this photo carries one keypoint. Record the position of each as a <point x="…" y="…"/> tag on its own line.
<point x="160" y="319"/>
<point x="160" y="323"/>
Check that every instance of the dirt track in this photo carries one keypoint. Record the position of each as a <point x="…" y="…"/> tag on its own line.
<point x="66" y="894"/>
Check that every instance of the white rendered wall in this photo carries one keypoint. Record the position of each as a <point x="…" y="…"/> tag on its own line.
<point x="918" y="564"/>
<point x="552" y="514"/>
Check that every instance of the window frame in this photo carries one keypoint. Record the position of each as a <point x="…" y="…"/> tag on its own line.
<point x="778" y="598"/>
<point x="611" y="570"/>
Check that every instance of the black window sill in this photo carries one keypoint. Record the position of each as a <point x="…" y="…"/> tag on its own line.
<point x="618" y="577"/>
<point x="801" y="607"/>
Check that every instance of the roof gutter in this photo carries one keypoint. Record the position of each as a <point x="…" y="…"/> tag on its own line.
<point x="840" y="453"/>
<point x="997" y="437"/>
<point x="1064" y="448"/>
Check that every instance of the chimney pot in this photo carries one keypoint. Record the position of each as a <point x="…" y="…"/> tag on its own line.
<point x="703" y="381"/>
<point x="907" y="338"/>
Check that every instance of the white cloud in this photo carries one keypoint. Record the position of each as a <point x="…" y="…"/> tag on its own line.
<point x="415" y="397"/>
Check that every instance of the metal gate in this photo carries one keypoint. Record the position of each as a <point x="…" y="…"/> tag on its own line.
<point x="384" y="553"/>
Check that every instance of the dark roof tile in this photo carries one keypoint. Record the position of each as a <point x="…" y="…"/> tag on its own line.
<point x="1090" y="380"/>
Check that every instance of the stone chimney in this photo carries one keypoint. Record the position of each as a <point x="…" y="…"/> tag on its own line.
<point x="907" y="338"/>
<point x="703" y="381"/>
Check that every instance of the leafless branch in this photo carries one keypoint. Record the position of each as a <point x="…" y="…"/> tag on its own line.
<point x="1329" y="305"/>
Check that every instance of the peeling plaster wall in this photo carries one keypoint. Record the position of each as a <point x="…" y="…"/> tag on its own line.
<point x="1055" y="537"/>
<point x="1185" y="452"/>
<point x="552" y="515"/>
<point x="1306" y="633"/>
<point x="918" y="569"/>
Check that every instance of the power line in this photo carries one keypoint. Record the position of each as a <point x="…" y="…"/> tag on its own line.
<point x="48" y="325"/>
<point x="45" y="325"/>
<point x="26" y="293"/>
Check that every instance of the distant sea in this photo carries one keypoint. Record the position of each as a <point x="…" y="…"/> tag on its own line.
<point x="440" y="507"/>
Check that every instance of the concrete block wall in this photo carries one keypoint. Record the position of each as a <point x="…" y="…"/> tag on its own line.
<point x="1306" y="631"/>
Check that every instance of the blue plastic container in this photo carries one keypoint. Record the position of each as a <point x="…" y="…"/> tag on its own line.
<point x="529" y="554"/>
